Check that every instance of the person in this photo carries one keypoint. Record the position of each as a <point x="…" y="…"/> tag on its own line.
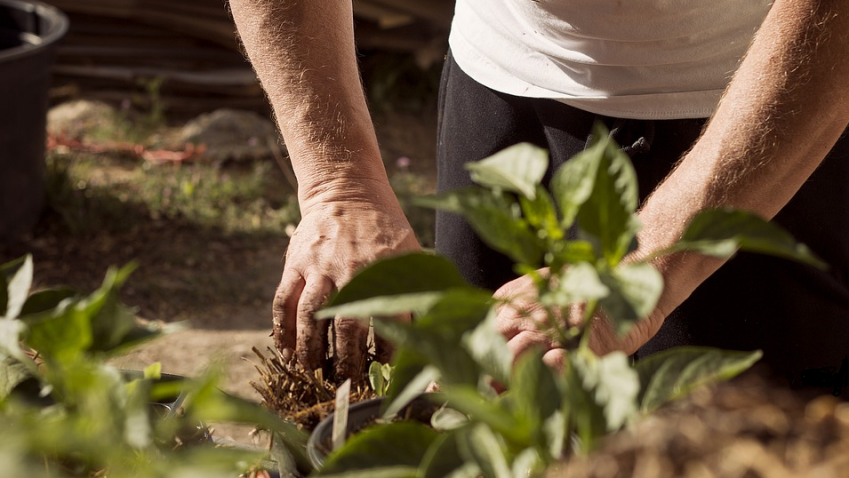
<point x="736" y="103"/>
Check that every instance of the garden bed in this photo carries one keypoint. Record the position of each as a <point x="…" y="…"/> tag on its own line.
<point x="751" y="427"/>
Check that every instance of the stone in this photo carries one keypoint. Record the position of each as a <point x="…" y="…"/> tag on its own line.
<point x="232" y="135"/>
<point x="80" y="119"/>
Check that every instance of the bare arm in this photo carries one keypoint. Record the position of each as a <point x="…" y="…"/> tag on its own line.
<point x="784" y="110"/>
<point x="303" y="53"/>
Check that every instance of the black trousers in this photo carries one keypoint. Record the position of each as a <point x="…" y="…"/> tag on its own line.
<point x="796" y="314"/>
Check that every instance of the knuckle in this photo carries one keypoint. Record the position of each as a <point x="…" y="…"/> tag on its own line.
<point x="347" y="327"/>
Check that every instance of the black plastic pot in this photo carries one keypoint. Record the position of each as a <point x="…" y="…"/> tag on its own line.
<point x="28" y="35"/>
<point x="363" y="414"/>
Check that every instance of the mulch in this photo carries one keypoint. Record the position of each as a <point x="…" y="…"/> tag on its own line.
<point x="751" y="427"/>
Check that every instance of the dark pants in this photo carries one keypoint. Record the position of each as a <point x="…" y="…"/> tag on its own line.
<point x="797" y="315"/>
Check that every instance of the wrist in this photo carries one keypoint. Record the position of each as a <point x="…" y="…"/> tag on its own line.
<point x="350" y="192"/>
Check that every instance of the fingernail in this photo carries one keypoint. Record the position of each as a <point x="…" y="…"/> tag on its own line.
<point x="287" y="353"/>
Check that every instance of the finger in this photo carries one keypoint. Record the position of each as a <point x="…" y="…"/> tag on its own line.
<point x="527" y="340"/>
<point x="383" y="348"/>
<point x="555" y="358"/>
<point x="311" y="344"/>
<point x="350" y="344"/>
<point x="512" y="320"/>
<point x="285" y="311"/>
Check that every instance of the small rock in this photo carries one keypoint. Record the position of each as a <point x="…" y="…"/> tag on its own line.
<point x="80" y="119"/>
<point x="232" y="135"/>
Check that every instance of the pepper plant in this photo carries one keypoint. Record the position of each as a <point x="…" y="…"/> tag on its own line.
<point x="581" y="228"/>
<point x="66" y="412"/>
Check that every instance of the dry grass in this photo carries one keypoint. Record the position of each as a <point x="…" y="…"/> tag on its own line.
<point x="295" y="394"/>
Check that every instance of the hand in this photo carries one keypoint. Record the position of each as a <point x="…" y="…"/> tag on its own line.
<point x="332" y="241"/>
<point x="525" y="324"/>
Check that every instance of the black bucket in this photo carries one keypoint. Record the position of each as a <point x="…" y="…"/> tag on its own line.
<point x="28" y="35"/>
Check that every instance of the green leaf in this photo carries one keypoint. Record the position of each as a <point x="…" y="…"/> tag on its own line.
<point x="375" y="378"/>
<point x="533" y="389"/>
<point x="406" y="367"/>
<point x="541" y="213"/>
<point x="489" y="349"/>
<point x="519" y="169"/>
<point x="62" y="333"/>
<point x="413" y="389"/>
<point x="382" y="472"/>
<point x="555" y="429"/>
<point x="608" y="212"/>
<point x="111" y="321"/>
<point x="720" y="232"/>
<point x="497" y="221"/>
<point x="634" y="292"/>
<point x="447" y="418"/>
<point x="18" y="288"/>
<point x="396" y="444"/>
<point x="572" y="252"/>
<point x="138" y="430"/>
<point x="209" y="404"/>
<point x="480" y="444"/>
<point x="382" y="306"/>
<point x="406" y="274"/>
<point x="454" y="363"/>
<point x="573" y="182"/>
<point x="45" y="300"/>
<point x="578" y="283"/>
<point x="673" y="373"/>
<point x="457" y="312"/>
<point x="613" y="384"/>
<point x="153" y="371"/>
<point x="442" y="458"/>
<point x="528" y="463"/>
<point x="467" y="400"/>
<point x="12" y="373"/>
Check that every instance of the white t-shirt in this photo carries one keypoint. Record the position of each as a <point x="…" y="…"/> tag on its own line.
<point x="644" y="59"/>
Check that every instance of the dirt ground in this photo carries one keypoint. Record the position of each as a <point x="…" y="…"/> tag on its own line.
<point x="218" y="282"/>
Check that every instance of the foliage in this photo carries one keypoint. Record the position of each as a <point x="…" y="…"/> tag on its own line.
<point x="582" y="231"/>
<point x="380" y="378"/>
<point x="65" y="412"/>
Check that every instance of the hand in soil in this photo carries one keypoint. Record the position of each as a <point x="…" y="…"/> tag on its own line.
<point x="333" y="240"/>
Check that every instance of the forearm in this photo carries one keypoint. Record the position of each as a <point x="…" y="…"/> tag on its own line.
<point x="303" y="53"/>
<point x="784" y="110"/>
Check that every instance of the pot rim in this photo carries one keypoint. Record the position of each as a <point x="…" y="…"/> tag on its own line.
<point x="55" y="24"/>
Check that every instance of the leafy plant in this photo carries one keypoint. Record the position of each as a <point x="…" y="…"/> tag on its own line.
<point x="65" y="411"/>
<point x="380" y="378"/>
<point x="545" y="414"/>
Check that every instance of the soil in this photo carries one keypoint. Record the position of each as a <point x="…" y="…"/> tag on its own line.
<point x="752" y="427"/>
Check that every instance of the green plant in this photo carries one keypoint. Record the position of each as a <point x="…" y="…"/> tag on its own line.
<point x="65" y="411"/>
<point x="545" y="414"/>
<point x="380" y="378"/>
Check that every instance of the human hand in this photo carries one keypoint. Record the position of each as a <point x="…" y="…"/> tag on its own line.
<point x="333" y="240"/>
<point x="525" y="324"/>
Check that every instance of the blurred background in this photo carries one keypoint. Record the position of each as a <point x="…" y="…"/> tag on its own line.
<point x="160" y="149"/>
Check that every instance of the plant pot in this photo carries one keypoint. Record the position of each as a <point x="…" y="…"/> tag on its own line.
<point x="360" y="416"/>
<point x="169" y="407"/>
<point x="28" y="34"/>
